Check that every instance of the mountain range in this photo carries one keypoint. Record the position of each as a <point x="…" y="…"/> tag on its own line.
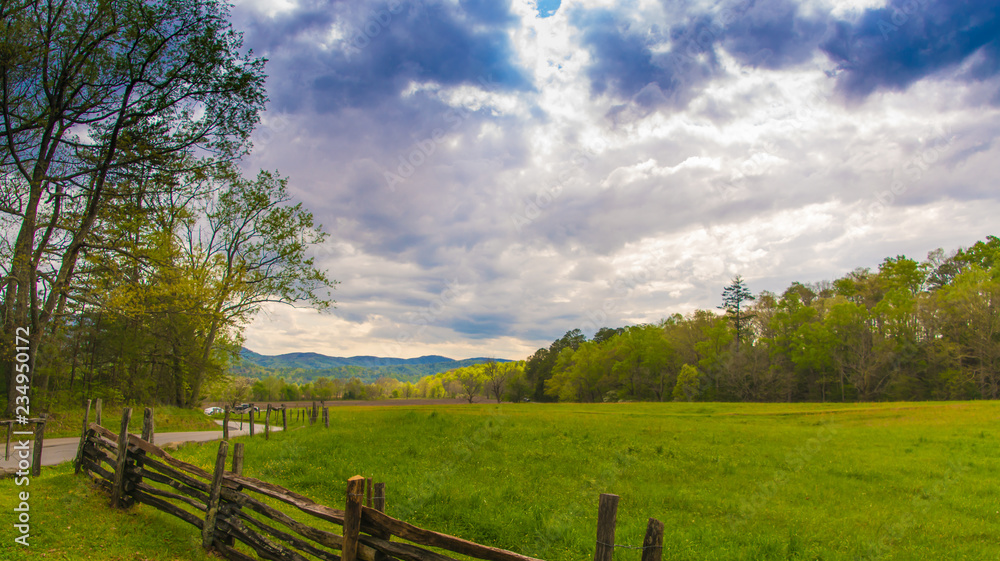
<point x="304" y="367"/>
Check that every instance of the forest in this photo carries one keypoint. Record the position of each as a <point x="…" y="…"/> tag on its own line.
<point x="907" y="331"/>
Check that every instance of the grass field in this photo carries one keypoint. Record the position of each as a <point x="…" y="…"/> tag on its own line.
<point x="69" y="422"/>
<point x="730" y="481"/>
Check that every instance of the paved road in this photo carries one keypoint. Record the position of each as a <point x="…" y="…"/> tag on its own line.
<point x="59" y="450"/>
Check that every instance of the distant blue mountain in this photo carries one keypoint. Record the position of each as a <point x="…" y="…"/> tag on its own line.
<point x="308" y="366"/>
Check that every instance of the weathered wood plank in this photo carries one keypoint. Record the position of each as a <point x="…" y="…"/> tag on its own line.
<point x="321" y="537"/>
<point x="378" y="503"/>
<point x="288" y="538"/>
<point x="177" y="485"/>
<point x="152" y="450"/>
<point x="148" y="430"/>
<point x="176" y="474"/>
<point x="208" y="531"/>
<point x="101" y="482"/>
<point x="263" y="546"/>
<point x="109" y="448"/>
<point x="98" y="457"/>
<point x="230" y="553"/>
<point x="352" y="516"/>
<point x="83" y="440"/>
<point x="117" y="491"/>
<point x="155" y="502"/>
<point x="374" y="521"/>
<point x="399" y="550"/>
<point x="652" y="544"/>
<point x="300" y="502"/>
<point x="238" y="458"/>
<point x="607" y="517"/>
<point x="150" y="490"/>
<point x="91" y="465"/>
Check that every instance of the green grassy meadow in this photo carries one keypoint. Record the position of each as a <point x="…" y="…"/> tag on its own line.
<point x="909" y="481"/>
<point x="65" y="422"/>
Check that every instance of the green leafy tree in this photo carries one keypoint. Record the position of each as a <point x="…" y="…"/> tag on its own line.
<point x="539" y="366"/>
<point x="471" y="380"/>
<point x="96" y="93"/>
<point x="689" y="386"/>
<point x="972" y="305"/>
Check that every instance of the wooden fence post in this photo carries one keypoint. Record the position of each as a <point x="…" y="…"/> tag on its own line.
<point x="284" y="418"/>
<point x="352" y="518"/>
<point x="378" y="503"/>
<point x="225" y="425"/>
<point x="78" y="462"/>
<point x="238" y="458"/>
<point x="326" y="417"/>
<point x="36" y="456"/>
<point x="147" y="425"/>
<point x="652" y="544"/>
<point x="208" y="529"/>
<point x="251" y="419"/>
<point x="118" y="487"/>
<point x="607" y="518"/>
<point x="378" y="497"/>
<point x="315" y="413"/>
<point x="99" y="409"/>
<point x="267" y="423"/>
<point x="238" y="470"/>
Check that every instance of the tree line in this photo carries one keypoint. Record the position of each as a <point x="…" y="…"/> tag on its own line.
<point x="502" y="381"/>
<point x="134" y="250"/>
<point x="907" y="331"/>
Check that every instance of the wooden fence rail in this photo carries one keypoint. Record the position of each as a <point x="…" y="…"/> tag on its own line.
<point x="228" y="507"/>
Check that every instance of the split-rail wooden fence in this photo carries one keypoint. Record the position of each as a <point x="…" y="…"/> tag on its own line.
<point x="228" y="507"/>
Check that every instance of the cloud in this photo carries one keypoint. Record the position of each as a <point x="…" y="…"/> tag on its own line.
<point x="341" y="55"/>
<point x="624" y="161"/>
<point x="891" y="48"/>
<point x="772" y="33"/>
<point x="628" y="60"/>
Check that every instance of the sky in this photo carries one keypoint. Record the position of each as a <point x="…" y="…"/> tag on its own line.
<point x="494" y="174"/>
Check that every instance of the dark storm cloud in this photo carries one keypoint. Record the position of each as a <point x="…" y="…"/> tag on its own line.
<point x="771" y="33"/>
<point x="484" y="325"/>
<point x="887" y="48"/>
<point x="388" y="45"/>
<point x="890" y="48"/>
<point x="625" y="65"/>
<point x="680" y="53"/>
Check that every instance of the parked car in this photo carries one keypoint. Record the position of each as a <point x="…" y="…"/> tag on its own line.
<point x="245" y="408"/>
<point x="214" y="410"/>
